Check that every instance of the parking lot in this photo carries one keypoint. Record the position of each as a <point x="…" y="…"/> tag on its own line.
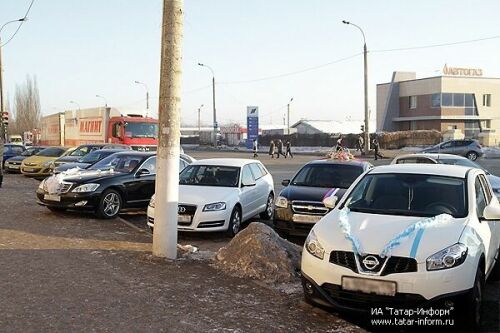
<point x="71" y="270"/>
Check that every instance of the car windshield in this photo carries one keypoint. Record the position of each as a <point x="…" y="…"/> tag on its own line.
<point x="141" y="130"/>
<point x="210" y="175"/>
<point x="409" y="194"/>
<point x="327" y="175"/>
<point x="29" y="152"/>
<point x="51" y="152"/>
<point x="90" y="157"/>
<point x="119" y="163"/>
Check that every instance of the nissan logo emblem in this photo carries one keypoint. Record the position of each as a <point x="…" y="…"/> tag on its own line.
<point x="370" y="262"/>
<point x="181" y="210"/>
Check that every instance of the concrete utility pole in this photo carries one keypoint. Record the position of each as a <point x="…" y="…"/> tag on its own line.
<point x="199" y="122"/>
<point x="367" y="113"/>
<point x="288" y="115"/>
<point x="147" y="96"/>
<point x="214" y="138"/>
<point x="167" y="160"/>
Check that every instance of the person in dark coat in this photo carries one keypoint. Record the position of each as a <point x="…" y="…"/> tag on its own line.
<point x="360" y="142"/>
<point x="376" y="148"/>
<point x="288" y="149"/>
<point x="255" y="146"/>
<point x="280" y="148"/>
<point x="340" y="143"/>
<point x="272" y="148"/>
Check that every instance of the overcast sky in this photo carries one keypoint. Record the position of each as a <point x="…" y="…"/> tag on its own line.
<point x="78" y="49"/>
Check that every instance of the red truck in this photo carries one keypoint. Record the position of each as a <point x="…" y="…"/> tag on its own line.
<point x="99" y="125"/>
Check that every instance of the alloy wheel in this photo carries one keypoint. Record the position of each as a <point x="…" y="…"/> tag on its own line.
<point x="236" y="222"/>
<point x="111" y="204"/>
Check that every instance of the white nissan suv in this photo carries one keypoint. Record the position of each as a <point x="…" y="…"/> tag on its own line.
<point x="406" y="236"/>
<point x="220" y="194"/>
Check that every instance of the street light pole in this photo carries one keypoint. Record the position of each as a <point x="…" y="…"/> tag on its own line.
<point x="288" y="115"/>
<point x="104" y="99"/>
<point x="147" y="96"/>
<point x="199" y="122"/>
<point x="367" y="113"/>
<point x="213" y="103"/>
<point x="78" y="105"/>
<point x="3" y="128"/>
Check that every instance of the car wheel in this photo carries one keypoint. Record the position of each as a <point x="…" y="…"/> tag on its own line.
<point x="472" y="155"/>
<point x="268" y="213"/>
<point x="110" y="205"/>
<point x="234" y="222"/>
<point x="56" y="209"/>
<point x="470" y="312"/>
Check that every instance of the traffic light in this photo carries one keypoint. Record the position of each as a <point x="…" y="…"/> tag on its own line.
<point x="5" y="118"/>
<point x="363" y="128"/>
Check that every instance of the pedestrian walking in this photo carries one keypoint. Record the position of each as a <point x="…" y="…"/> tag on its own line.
<point x="340" y="143"/>
<point x="279" y="151"/>
<point x="360" y="142"/>
<point x="255" y="148"/>
<point x="272" y="148"/>
<point x="288" y="149"/>
<point x="376" y="149"/>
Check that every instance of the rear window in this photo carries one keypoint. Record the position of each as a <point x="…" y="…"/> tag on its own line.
<point x="327" y="175"/>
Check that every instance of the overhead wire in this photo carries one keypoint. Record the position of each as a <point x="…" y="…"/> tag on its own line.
<point x="20" y="24"/>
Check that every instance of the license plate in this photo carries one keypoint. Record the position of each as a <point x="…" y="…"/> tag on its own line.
<point x="29" y="169"/>
<point x="369" y="286"/>
<point x="184" y="218"/>
<point x="52" y="197"/>
<point x="13" y="166"/>
<point x="306" y="218"/>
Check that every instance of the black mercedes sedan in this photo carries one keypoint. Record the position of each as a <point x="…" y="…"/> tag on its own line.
<point x="122" y="180"/>
<point x="300" y="204"/>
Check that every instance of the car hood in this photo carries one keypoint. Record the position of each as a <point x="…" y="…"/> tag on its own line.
<point x="431" y="149"/>
<point x="202" y="195"/>
<point x="38" y="159"/>
<point x="17" y="158"/>
<point x="306" y="193"/>
<point x="68" y="166"/>
<point x="375" y="231"/>
<point x="80" y="176"/>
<point x="494" y="181"/>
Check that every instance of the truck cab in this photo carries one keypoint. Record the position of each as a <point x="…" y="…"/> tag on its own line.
<point x="141" y="133"/>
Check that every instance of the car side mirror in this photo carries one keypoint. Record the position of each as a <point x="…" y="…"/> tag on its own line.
<point x="330" y="201"/>
<point x="285" y="182"/>
<point x="492" y="212"/>
<point x="142" y="172"/>
<point x="247" y="184"/>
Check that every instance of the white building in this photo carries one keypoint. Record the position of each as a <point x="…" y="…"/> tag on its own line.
<point x="330" y="126"/>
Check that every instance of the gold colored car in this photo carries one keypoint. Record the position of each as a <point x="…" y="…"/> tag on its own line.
<point x="38" y="166"/>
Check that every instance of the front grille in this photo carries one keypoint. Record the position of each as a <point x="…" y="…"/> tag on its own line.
<point x="31" y="164"/>
<point x="344" y="259"/>
<point x="32" y="170"/>
<point x="309" y="207"/>
<point x="211" y="224"/>
<point x="14" y="163"/>
<point x="364" y="301"/>
<point x="394" y="265"/>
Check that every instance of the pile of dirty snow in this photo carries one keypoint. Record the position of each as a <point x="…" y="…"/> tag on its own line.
<point x="258" y="252"/>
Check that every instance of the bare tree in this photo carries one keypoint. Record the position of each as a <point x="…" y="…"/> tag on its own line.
<point x="26" y="111"/>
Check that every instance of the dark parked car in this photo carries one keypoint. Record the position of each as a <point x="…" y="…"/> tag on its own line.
<point x="83" y="150"/>
<point x="13" y="164"/>
<point x="11" y="150"/>
<point x="87" y="160"/>
<point x="300" y="204"/>
<point x="467" y="148"/>
<point x="122" y="180"/>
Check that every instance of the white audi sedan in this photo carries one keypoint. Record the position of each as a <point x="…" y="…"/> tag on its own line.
<point x="404" y="236"/>
<point x="220" y="194"/>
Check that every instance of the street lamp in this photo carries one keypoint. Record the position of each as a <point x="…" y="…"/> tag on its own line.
<point x="147" y="95"/>
<point x="199" y="122"/>
<point x="104" y="99"/>
<point x="367" y="113"/>
<point x="288" y="115"/>
<point x="78" y="105"/>
<point x="213" y="102"/>
<point x="3" y="131"/>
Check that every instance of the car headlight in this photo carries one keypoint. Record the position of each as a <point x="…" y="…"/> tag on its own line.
<point x="281" y="202"/>
<point x="152" y="202"/>
<point x="313" y="246"/>
<point x="450" y="257"/>
<point x="86" y="188"/>
<point x="43" y="185"/>
<point x="214" y="207"/>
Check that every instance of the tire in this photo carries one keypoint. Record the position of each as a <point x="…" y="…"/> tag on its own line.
<point x="234" y="222"/>
<point x="470" y="313"/>
<point x="56" y="209"/>
<point x="472" y="155"/>
<point x="269" y="212"/>
<point x="110" y="205"/>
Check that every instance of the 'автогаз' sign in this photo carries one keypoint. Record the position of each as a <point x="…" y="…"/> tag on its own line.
<point x="462" y="71"/>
